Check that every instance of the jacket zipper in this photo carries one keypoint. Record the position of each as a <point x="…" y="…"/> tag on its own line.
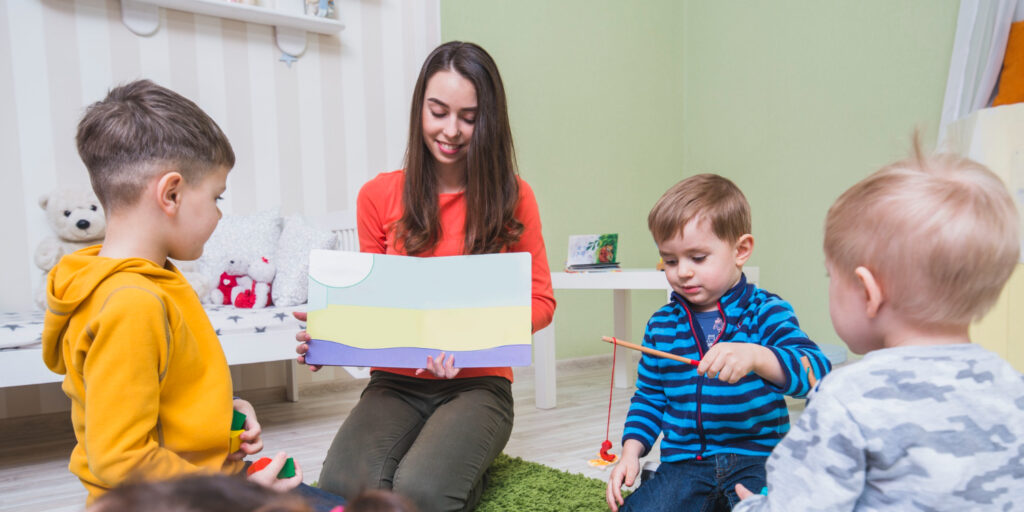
<point x="700" y="381"/>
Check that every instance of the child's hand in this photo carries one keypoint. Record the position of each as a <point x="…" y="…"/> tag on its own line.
<point x="743" y="492"/>
<point x="267" y="477"/>
<point x="730" y="362"/>
<point x="440" y="368"/>
<point x="252" y="440"/>
<point x="624" y="473"/>
<point x="303" y="338"/>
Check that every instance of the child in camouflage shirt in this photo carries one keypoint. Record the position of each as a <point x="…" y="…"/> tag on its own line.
<point x="926" y="420"/>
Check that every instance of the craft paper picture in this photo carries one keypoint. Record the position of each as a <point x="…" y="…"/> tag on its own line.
<point x="393" y="311"/>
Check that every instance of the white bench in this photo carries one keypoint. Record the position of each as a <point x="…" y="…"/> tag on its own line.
<point x="247" y="335"/>
<point x="266" y="335"/>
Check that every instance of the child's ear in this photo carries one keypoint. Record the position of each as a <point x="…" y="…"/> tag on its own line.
<point x="743" y="248"/>
<point x="873" y="297"/>
<point x="168" y="190"/>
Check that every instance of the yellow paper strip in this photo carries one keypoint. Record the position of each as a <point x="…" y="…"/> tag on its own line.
<point x="441" y="329"/>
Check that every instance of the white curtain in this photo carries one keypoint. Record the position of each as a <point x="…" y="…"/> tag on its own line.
<point x="982" y="29"/>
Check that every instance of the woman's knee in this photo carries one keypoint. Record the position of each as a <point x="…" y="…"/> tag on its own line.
<point x="353" y="465"/>
<point x="426" y="494"/>
<point x="336" y="480"/>
<point x="431" y="493"/>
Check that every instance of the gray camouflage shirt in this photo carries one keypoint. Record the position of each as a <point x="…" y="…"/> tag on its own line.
<point x="908" y="428"/>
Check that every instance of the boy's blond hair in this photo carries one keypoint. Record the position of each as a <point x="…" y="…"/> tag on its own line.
<point x="939" y="232"/>
<point x="140" y="129"/>
<point x="710" y="196"/>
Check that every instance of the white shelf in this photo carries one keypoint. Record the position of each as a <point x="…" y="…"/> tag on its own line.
<point x="625" y="279"/>
<point x="143" y="18"/>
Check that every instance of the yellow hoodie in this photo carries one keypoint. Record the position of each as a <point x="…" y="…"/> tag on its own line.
<point x="149" y="385"/>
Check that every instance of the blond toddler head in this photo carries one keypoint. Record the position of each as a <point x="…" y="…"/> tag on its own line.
<point x="939" y="232"/>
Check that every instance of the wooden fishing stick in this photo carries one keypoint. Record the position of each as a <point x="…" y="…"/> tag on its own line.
<point x="650" y="351"/>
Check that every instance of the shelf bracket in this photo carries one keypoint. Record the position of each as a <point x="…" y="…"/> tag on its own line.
<point x="291" y="40"/>
<point x="142" y="19"/>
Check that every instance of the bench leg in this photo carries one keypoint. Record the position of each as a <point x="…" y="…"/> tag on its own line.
<point x="291" y="381"/>
<point x="544" y="367"/>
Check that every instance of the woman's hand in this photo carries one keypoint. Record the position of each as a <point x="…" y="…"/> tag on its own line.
<point x="252" y="440"/>
<point x="267" y="477"/>
<point x="303" y="338"/>
<point x="440" y="368"/>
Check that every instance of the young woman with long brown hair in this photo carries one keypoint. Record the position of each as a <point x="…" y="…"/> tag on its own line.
<point x="430" y="434"/>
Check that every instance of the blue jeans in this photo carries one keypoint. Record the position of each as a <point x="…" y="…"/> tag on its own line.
<point x="319" y="499"/>
<point x="698" y="485"/>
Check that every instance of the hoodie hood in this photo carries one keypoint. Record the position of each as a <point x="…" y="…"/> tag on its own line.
<point x="74" y="279"/>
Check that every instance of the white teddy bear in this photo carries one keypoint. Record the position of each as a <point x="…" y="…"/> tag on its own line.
<point x="262" y="272"/>
<point x="233" y="281"/>
<point x="76" y="218"/>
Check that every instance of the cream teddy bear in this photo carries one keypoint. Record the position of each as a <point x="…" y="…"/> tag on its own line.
<point x="233" y="281"/>
<point x="262" y="272"/>
<point x="76" y="218"/>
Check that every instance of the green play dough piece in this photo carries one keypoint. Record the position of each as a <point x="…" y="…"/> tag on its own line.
<point x="237" y="421"/>
<point x="288" y="470"/>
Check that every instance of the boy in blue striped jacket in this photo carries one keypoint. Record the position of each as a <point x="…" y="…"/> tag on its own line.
<point x="722" y="418"/>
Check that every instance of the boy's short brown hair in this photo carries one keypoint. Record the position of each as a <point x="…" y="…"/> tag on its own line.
<point x="940" y="233"/>
<point x="705" y="195"/>
<point x="141" y="128"/>
<point x="198" y="493"/>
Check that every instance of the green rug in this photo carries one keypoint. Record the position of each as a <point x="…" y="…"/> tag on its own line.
<point x="514" y="484"/>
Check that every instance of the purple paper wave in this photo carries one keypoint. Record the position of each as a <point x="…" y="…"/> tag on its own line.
<point x="329" y="353"/>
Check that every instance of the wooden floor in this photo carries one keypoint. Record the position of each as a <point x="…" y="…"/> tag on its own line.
<point x="34" y="451"/>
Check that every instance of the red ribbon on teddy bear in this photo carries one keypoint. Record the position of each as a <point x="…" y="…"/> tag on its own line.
<point x="247" y="298"/>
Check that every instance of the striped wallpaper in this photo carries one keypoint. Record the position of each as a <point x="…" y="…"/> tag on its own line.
<point x="306" y="136"/>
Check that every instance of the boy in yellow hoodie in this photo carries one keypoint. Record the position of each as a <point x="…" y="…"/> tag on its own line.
<point x="150" y="390"/>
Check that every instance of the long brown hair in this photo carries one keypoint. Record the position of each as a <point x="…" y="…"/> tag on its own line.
<point x="492" y="184"/>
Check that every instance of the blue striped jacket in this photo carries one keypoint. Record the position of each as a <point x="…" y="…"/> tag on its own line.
<point x="701" y="416"/>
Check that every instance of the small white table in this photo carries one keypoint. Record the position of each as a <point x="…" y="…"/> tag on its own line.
<point x="621" y="283"/>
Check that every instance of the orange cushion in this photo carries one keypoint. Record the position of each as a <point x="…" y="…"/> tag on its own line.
<point x="1011" y="80"/>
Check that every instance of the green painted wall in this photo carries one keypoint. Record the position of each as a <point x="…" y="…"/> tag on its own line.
<point x="595" y="96"/>
<point x="612" y="102"/>
<point x="796" y="101"/>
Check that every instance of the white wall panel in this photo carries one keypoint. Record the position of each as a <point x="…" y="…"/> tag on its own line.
<point x="346" y="100"/>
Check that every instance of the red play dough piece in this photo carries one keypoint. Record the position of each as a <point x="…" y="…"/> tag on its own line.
<point x="258" y="465"/>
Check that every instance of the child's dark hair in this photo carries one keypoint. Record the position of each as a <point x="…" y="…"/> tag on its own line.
<point x="198" y="493"/>
<point x="140" y="129"/>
